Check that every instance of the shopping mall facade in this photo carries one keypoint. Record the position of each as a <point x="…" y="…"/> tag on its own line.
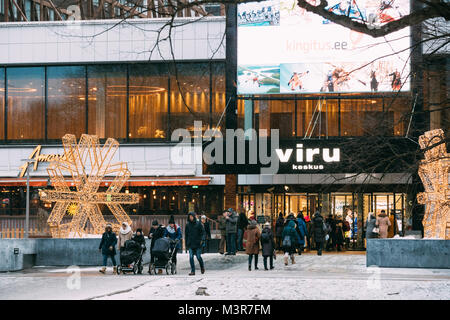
<point x="107" y="78"/>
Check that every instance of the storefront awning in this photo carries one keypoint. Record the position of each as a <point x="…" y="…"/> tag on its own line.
<point x="132" y="182"/>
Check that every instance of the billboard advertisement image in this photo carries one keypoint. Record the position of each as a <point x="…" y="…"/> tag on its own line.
<point x="284" y="49"/>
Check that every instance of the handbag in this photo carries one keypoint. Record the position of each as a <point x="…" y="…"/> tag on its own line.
<point x="376" y="230"/>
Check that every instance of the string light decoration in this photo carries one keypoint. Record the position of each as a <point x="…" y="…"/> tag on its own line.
<point x="433" y="172"/>
<point x="86" y="164"/>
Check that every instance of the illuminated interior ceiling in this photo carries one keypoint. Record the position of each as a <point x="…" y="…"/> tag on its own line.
<point x="433" y="171"/>
<point x="86" y="164"/>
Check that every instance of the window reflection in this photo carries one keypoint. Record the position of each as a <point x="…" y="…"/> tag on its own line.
<point x="148" y="111"/>
<point x="66" y="96"/>
<point x="25" y="103"/>
<point x="189" y="97"/>
<point x="218" y="96"/>
<point x="107" y="97"/>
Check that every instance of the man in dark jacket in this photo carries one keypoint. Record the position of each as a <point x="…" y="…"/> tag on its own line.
<point x="319" y="232"/>
<point x="279" y="226"/>
<point x="156" y="232"/>
<point x="231" y="219"/>
<point x="194" y="235"/>
<point x="241" y="226"/>
<point x="108" y="248"/>
<point x="223" y="231"/>
<point x="207" y="227"/>
<point x="331" y="225"/>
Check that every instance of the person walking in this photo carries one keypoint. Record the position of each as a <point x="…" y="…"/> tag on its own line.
<point x="301" y="227"/>
<point x="331" y="229"/>
<point x="156" y="232"/>
<point x="173" y="232"/>
<point x="194" y="235"/>
<point x="108" y="248"/>
<point x="125" y="233"/>
<point x="370" y="225"/>
<point x="207" y="227"/>
<point x="223" y="231"/>
<point x="253" y="236"/>
<point x="383" y="223"/>
<point x="139" y="238"/>
<point x="267" y="245"/>
<point x="319" y="232"/>
<point x="309" y="228"/>
<point x="231" y="228"/>
<point x="339" y="232"/>
<point x="241" y="226"/>
<point x="279" y="226"/>
<point x="290" y="241"/>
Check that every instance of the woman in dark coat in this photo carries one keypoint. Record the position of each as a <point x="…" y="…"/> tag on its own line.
<point x="339" y="232"/>
<point x="289" y="250"/>
<point x="268" y="245"/>
<point x="371" y="223"/>
<point x="319" y="232"/>
<point x="252" y="245"/>
<point x="279" y="226"/>
<point x="194" y="235"/>
<point x="108" y="248"/>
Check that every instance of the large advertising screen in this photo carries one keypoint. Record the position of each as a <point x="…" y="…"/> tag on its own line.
<point x="285" y="49"/>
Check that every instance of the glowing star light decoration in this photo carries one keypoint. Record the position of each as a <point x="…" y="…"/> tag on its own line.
<point x="434" y="171"/>
<point x="84" y="167"/>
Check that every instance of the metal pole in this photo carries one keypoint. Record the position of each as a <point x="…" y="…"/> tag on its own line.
<point x="27" y="211"/>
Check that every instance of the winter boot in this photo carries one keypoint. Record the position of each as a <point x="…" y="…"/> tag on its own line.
<point x="102" y="270"/>
<point x="192" y="274"/>
<point x="202" y="270"/>
<point x="249" y="267"/>
<point x="293" y="259"/>
<point x="114" y="270"/>
<point x="285" y="261"/>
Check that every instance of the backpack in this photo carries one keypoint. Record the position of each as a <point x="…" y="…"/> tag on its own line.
<point x="287" y="241"/>
<point x="265" y="237"/>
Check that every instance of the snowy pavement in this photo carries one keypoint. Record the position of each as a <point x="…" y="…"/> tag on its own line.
<point x="331" y="276"/>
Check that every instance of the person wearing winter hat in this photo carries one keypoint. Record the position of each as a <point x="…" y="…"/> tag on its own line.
<point x="268" y="245"/>
<point x="108" y="248"/>
<point x="125" y="233"/>
<point x="207" y="228"/>
<point x="252" y="246"/>
<point x="194" y="235"/>
<point x="173" y="232"/>
<point x="156" y="232"/>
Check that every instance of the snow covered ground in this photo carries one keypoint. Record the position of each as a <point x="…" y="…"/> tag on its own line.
<point x="331" y="276"/>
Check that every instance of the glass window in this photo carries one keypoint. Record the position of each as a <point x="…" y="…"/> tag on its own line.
<point x="148" y="105"/>
<point x="189" y="97"/>
<point x="318" y="118"/>
<point x="107" y="101"/>
<point x="364" y="117"/>
<point x="218" y="96"/>
<point x="26" y="103"/>
<point x="398" y="110"/>
<point x="66" y="101"/>
<point x="2" y="103"/>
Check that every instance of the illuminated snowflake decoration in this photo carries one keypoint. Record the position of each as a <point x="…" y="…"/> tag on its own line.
<point x="84" y="167"/>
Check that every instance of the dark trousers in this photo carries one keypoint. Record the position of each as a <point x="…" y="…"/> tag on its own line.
<point x="198" y="253"/>
<point x="250" y="258"/>
<point x="231" y="243"/>
<point x="270" y="260"/>
<point x="105" y="259"/>
<point x="319" y="246"/>
<point x="278" y="243"/>
<point x="223" y="240"/>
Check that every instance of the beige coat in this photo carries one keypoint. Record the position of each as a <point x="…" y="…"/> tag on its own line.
<point x="124" y="235"/>
<point x="383" y="224"/>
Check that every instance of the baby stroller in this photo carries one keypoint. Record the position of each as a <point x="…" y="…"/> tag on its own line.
<point x="163" y="251"/>
<point x="131" y="257"/>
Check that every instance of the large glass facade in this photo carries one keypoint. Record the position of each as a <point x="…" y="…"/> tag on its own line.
<point x="26" y="103"/>
<point x="148" y="101"/>
<point x="66" y="102"/>
<point x="148" y="107"/>
<point x="107" y="101"/>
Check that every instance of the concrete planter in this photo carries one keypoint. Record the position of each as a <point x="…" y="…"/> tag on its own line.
<point x="53" y="252"/>
<point x="408" y="253"/>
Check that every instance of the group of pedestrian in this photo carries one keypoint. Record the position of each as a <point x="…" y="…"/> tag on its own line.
<point x="197" y="234"/>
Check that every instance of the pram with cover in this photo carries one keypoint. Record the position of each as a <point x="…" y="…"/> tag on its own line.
<point x="131" y="257"/>
<point x="163" y="251"/>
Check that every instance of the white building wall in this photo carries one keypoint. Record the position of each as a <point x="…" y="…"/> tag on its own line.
<point x="111" y="40"/>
